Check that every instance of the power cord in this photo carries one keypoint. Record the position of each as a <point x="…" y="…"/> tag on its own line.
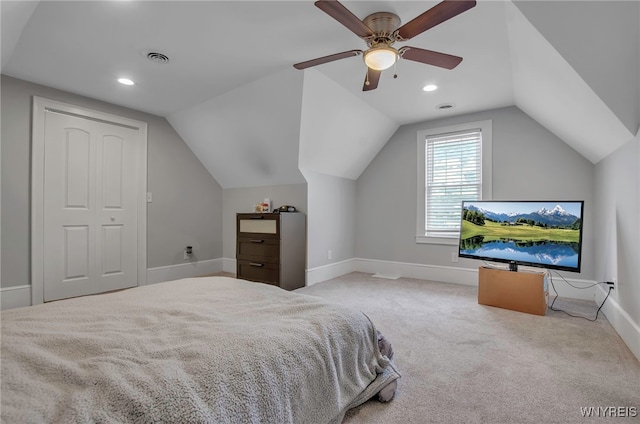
<point x="609" y="283"/>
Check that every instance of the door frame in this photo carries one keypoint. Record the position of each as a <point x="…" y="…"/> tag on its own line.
<point x="40" y="107"/>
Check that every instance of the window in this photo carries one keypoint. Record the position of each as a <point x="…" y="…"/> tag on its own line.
<point x="454" y="164"/>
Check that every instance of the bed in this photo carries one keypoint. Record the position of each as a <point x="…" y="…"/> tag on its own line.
<point x="211" y="349"/>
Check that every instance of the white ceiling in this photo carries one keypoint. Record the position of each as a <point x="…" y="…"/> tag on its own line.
<point x="215" y="46"/>
<point x="218" y="47"/>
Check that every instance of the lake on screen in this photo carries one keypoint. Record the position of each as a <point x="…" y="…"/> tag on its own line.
<point x="542" y="252"/>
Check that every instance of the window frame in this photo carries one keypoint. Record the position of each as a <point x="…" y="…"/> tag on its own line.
<point x="485" y="128"/>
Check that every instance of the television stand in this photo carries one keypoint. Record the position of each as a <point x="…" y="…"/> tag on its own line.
<point x="521" y="291"/>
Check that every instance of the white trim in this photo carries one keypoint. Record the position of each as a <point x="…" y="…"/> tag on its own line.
<point x="620" y="320"/>
<point x="37" y="196"/>
<point x="229" y="265"/>
<point x="465" y="276"/>
<point x="565" y="290"/>
<point x="40" y="106"/>
<point x="450" y="241"/>
<point x="485" y="127"/>
<point x="15" y="297"/>
<point x="188" y="270"/>
<point x="142" y="205"/>
<point x="445" y="274"/>
<point x="329" y="271"/>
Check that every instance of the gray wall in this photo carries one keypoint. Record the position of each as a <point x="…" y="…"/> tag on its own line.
<point x="237" y="200"/>
<point x="529" y="163"/>
<point x="331" y="220"/>
<point x="187" y="201"/>
<point x="617" y="230"/>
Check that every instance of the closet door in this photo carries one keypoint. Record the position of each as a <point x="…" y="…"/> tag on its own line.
<point x="89" y="206"/>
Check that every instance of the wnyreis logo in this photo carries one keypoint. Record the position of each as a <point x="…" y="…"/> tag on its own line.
<point x="609" y="411"/>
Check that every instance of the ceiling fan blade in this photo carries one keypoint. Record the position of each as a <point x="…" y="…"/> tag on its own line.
<point x="430" y="57"/>
<point x="326" y="59"/>
<point x="371" y="80"/>
<point x="337" y="11"/>
<point x="434" y="16"/>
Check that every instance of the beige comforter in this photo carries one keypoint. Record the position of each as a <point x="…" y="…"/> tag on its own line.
<point x="215" y="350"/>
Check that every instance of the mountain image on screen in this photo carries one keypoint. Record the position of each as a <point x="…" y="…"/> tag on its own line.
<point x="556" y="216"/>
<point x="542" y="234"/>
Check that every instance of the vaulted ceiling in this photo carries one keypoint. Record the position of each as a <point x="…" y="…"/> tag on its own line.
<point x="230" y="90"/>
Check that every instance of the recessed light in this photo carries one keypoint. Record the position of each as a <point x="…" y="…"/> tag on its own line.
<point x="430" y="87"/>
<point x="125" y="81"/>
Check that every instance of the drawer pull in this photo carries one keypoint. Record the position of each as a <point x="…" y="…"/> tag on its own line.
<point x="257" y="241"/>
<point x="256" y="264"/>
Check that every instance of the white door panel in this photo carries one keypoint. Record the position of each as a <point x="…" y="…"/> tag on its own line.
<point x="112" y="248"/>
<point x="90" y="208"/>
<point x="76" y="252"/>
<point x="76" y="167"/>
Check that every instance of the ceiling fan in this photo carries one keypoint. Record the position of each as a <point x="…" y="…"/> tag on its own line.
<point x="381" y="30"/>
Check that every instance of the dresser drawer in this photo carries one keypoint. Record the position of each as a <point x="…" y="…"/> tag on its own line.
<point x="265" y="272"/>
<point x="258" y="225"/>
<point x="258" y="249"/>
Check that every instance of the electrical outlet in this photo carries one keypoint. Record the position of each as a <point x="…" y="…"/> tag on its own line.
<point x="454" y="257"/>
<point x="329" y="254"/>
<point x="149" y="197"/>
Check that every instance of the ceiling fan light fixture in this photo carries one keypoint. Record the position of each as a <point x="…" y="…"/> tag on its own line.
<point x="381" y="57"/>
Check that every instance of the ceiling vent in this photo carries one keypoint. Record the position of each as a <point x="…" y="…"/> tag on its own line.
<point x="445" y="106"/>
<point x="156" y="57"/>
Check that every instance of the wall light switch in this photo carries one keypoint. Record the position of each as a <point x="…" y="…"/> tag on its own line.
<point x="149" y="197"/>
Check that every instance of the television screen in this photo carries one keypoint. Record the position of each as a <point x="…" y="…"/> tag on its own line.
<point x="536" y="233"/>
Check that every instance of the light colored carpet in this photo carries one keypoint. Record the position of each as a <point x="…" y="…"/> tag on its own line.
<point x="467" y="363"/>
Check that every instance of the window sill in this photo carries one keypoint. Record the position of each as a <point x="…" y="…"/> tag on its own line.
<point x="450" y="241"/>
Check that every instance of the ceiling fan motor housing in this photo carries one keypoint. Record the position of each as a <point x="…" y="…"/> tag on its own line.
<point x="383" y="25"/>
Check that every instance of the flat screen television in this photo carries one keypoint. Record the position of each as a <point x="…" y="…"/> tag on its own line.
<point x="546" y="234"/>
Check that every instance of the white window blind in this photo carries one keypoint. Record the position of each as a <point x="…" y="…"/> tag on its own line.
<point x="453" y="174"/>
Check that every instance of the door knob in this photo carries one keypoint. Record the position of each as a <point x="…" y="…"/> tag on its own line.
<point x="113" y="218"/>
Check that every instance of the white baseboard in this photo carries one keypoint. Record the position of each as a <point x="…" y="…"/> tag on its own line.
<point x="329" y="271"/>
<point x="15" y="297"/>
<point x="620" y="320"/>
<point x="391" y="269"/>
<point x="229" y="265"/>
<point x="564" y="289"/>
<point x="443" y="274"/>
<point x="19" y="296"/>
<point x="187" y="270"/>
<point x="466" y="276"/>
